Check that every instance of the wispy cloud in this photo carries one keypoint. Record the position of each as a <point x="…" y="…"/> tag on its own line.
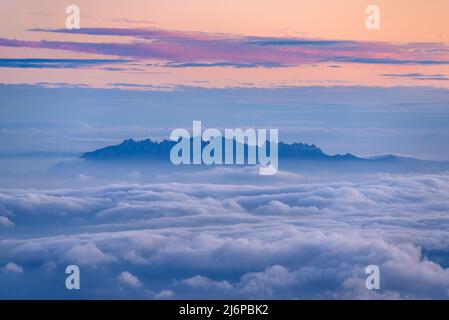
<point x="223" y="64"/>
<point x="55" y="63"/>
<point x="196" y="49"/>
<point x="391" y="61"/>
<point x="418" y="76"/>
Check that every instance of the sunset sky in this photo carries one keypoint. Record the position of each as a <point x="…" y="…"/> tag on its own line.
<point x="154" y="45"/>
<point x="182" y="48"/>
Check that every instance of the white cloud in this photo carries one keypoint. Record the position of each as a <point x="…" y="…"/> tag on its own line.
<point x="5" y="222"/>
<point x="129" y="279"/>
<point x="261" y="283"/>
<point x="88" y="254"/>
<point x="12" y="268"/>
<point x="164" y="294"/>
<point x="204" y="282"/>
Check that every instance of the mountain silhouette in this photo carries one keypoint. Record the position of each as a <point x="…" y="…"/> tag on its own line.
<point x="149" y="149"/>
<point x="295" y="157"/>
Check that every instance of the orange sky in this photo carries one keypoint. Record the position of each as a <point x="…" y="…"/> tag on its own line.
<point x="401" y="21"/>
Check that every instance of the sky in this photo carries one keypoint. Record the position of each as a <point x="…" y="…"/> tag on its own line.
<point x="364" y="121"/>
<point x="194" y="50"/>
<point x="226" y="43"/>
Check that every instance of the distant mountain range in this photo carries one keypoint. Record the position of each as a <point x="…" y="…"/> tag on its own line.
<point x="149" y="149"/>
<point x="299" y="157"/>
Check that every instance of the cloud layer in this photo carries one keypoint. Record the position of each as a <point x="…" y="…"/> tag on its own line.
<point x="290" y="239"/>
<point x="200" y="49"/>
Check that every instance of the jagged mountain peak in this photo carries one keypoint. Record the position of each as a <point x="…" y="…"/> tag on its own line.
<point x="149" y="148"/>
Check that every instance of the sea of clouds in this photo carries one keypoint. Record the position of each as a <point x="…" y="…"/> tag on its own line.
<point x="286" y="238"/>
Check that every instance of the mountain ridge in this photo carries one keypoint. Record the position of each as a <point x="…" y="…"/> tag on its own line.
<point x="147" y="149"/>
